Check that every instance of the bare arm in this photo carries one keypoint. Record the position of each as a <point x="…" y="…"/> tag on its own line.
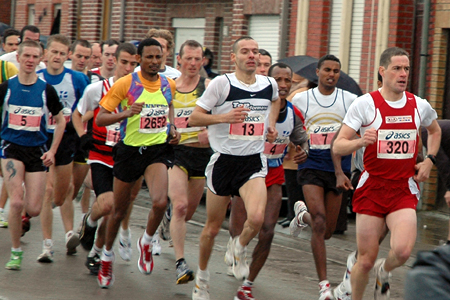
<point x="433" y="144"/>
<point x="77" y="122"/>
<point x="175" y="135"/>
<point x="105" y="117"/>
<point x="49" y="157"/>
<point x="342" y="181"/>
<point x="273" y="116"/>
<point x="200" y="117"/>
<point x="345" y="144"/>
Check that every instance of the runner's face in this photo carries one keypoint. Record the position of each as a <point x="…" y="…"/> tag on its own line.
<point x="283" y="77"/>
<point x="329" y="74"/>
<point x="263" y="65"/>
<point x="191" y="61"/>
<point x="395" y="76"/>
<point x="96" y="57"/>
<point x="11" y="44"/>
<point x="247" y="56"/>
<point x="165" y="50"/>
<point x="108" y="57"/>
<point x="80" y="57"/>
<point x="29" y="59"/>
<point x="125" y="64"/>
<point x="150" y="60"/>
<point x="56" y="55"/>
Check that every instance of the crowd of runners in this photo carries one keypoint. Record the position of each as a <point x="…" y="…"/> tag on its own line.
<point x="120" y="116"/>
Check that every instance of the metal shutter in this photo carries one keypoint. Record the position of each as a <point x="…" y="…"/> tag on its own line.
<point x="265" y="29"/>
<point x="354" y="66"/>
<point x="335" y="30"/>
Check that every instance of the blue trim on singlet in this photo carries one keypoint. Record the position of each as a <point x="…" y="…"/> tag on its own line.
<point x="236" y="93"/>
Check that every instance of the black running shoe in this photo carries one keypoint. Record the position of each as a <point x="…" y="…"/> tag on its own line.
<point x="87" y="233"/>
<point x="93" y="264"/>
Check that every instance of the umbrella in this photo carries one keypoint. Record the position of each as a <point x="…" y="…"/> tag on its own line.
<point x="345" y="82"/>
<point x="3" y="27"/>
<point x="298" y="62"/>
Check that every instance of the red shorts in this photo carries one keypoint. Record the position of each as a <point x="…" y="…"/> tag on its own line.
<point x="275" y="176"/>
<point x="379" y="197"/>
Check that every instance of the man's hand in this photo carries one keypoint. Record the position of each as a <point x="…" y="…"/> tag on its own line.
<point x="175" y="136"/>
<point x="236" y="115"/>
<point x="135" y="109"/>
<point x="272" y="134"/>
<point x="343" y="183"/>
<point x="300" y="155"/>
<point x="48" y="158"/>
<point x="423" y="170"/>
<point x="369" y="137"/>
<point x="203" y="136"/>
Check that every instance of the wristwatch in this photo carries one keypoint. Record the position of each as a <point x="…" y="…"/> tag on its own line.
<point x="432" y="158"/>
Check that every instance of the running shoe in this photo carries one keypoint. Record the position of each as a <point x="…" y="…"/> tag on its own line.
<point x="93" y="264"/>
<point x="351" y="261"/>
<point x="325" y="292"/>
<point x="164" y="227"/>
<point x="184" y="274"/>
<point x="297" y="223"/>
<point x="240" y="266"/>
<point x="3" y="220"/>
<point x="15" y="261"/>
<point x="26" y="225"/>
<point x="201" y="290"/>
<point x="125" y="250"/>
<point x="47" y="253"/>
<point x="229" y="257"/>
<point x="156" y="245"/>
<point x="244" y="293"/>
<point x="340" y="293"/>
<point x="87" y="233"/>
<point x="145" y="262"/>
<point x="382" y="289"/>
<point x="72" y="241"/>
<point x="105" y="277"/>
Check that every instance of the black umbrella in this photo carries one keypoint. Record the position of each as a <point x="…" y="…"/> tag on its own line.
<point x="3" y="27"/>
<point x="345" y="82"/>
<point x="298" y="62"/>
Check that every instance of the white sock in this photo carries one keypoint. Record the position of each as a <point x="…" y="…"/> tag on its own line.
<point x="95" y="250"/>
<point x="146" y="238"/>
<point x="238" y="246"/>
<point x="1" y="210"/>
<point x="48" y="242"/>
<point x="107" y="255"/>
<point x="248" y="283"/>
<point x="16" y="249"/>
<point x="91" y="223"/>
<point x="124" y="233"/>
<point x="203" y="274"/>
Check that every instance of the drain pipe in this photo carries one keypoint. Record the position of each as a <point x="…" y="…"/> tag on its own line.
<point x="424" y="48"/>
<point x="122" y="21"/>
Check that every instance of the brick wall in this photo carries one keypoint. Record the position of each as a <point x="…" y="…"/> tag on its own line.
<point x="5" y="11"/>
<point x="318" y="27"/>
<point x="293" y="10"/>
<point x="90" y="20"/>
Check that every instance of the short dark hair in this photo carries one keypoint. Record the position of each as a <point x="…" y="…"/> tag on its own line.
<point x="109" y="43"/>
<point x="146" y="43"/>
<point x="242" y="38"/>
<point x="126" y="47"/>
<point x="9" y="32"/>
<point x="192" y="44"/>
<point x="266" y="53"/>
<point x="385" y="58"/>
<point x="29" y="43"/>
<point x="380" y="78"/>
<point x="279" y="65"/>
<point x="31" y="28"/>
<point x="82" y="43"/>
<point x="328" y="57"/>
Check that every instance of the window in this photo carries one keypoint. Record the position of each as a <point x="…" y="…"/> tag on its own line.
<point x="31" y="14"/>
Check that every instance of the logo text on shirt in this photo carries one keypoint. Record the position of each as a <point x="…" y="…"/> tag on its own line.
<point x="398" y="119"/>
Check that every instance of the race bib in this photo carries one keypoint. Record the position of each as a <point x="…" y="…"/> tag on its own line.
<point x="154" y="120"/>
<point x="276" y="149"/>
<point x="67" y="113"/>
<point x="112" y="134"/>
<point x="320" y="136"/>
<point x="182" y="120"/>
<point x="251" y="129"/>
<point x="24" y="118"/>
<point x="396" y="144"/>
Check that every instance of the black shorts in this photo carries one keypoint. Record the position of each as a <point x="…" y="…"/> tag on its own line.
<point x="130" y="162"/>
<point x="226" y="174"/>
<point x="192" y="160"/>
<point x="29" y="156"/>
<point x="81" y="156"/>
<point x="324" y="179"/>
<point x="102" y="178"/>
<point x="66" y="150"/>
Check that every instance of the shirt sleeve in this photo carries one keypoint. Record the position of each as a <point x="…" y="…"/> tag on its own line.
<point x="12" y="70"/>
<point x="53" y="103"/>
<point x="91" y="98"/>
<point x="359" y="112"/>
<point x="214" y="93"/>
<point x="116" y="94"/>
<point x="426" y="112"/>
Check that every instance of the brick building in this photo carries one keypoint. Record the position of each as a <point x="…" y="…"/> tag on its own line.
<point x="356" y="31"/>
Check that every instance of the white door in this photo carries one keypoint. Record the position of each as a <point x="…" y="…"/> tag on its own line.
<point x="187" y="29"/>
<point x="265" y="29"/>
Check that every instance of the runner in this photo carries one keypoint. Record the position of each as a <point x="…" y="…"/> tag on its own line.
<point x="70" y="86"/>
<point x="96" y="58"/>
<point x="146" y="96"/>
<point x="291" y="129"/>
<point x="101" y="144"/>
<point x="26" y="100"/>
<point x="239" y="103"/>
<point x="10" y="40"/>
<point x="265" y="61"/>
<point x="387" y="192"/>
<point x="187" y="177"/>
<point x="322" y="176"/>
<point x="108" y="49"/>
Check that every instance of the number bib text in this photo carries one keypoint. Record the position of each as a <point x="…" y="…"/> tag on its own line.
<point x="276" y="149"/>
<point x="320" y="136"/>
<point x="112" y="134"/>
<point x="396" y="144"/>
<point x="251" y="129"/>
<point x="154" y="120"/>
<point x="182" y="120"/>
<point x="51" y="124"/>
<point x="24" y="118"/>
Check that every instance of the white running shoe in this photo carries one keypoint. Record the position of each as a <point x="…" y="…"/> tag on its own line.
<point x="47" y="252"/>
<point x="72" y="241"/>
<point x="351" y="261"/>
<point x="240" y="266"/>
<point x="297" y="223"/>
<point x="156" y="245"/>
<point x="201" y="289"/>
<point x="382" y="289"/>
<point x="325" y="292"/>
<point x="125" y="250"/>
<point x="229" y="257"/>
<point x="340" y="293"/>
